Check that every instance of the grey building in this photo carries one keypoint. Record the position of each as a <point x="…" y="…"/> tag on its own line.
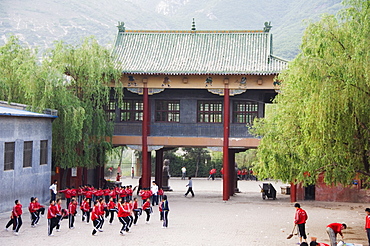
<point x="25" y="155"/>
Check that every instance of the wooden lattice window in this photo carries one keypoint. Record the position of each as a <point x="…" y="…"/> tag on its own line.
<point x="132" y="110"/>
<point x="245" y="112"/>
<point x="167" y="111"/>
<point x="210" y="111"/>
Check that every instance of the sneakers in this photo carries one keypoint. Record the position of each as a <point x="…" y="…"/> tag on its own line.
<point x="33" y="226"/>
<point x="147" y="222"/>
<point x="72" y="228"/>
<point x="6" y="229"/>
<point x="87" y="223"/>
<point x="58" y="230"/>
<point x="100" y="230"/>
<point x="16" y="233"/>
<point x="51" y="235"/>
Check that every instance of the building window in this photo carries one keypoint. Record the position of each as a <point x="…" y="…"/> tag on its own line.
<point x="210" y="111"/>
<point x="27" y="153"/>
<point x="167" y="111"/>
<point x="110" y="110"/>
<point x="43" y="152"/>
<point x="9" y="156"/>
<point x="132" y="110"/>
<point x="245" y="112"/>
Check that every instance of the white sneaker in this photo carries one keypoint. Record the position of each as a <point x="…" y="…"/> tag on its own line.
<point x="87" y="223"/>
<point x="100" y="230"/>
<point x="51" y="235"/>
<point x="33" y="226"/>
<point x="147" y="222"/>
<point x="16" y="233"/>
<point x="6" y="229"/>
<point x="58" y="230"/>
<point x="122" y="233"/>
<point x="72" y="228"/>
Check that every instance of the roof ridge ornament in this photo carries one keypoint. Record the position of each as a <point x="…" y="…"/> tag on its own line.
<point x="193" y="25"/>
<point x="121" y="26"/>
<point x="267" y="26"/>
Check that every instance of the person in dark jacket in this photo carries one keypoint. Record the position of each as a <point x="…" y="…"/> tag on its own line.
<point x="165" y="211"/>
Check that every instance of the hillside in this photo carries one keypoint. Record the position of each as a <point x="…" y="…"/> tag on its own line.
<point x="40" y="23"/>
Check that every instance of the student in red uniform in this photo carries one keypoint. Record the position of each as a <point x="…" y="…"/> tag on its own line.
<point x="145" y="194"/>
<point x="33" y="211"/>
<point x="67" y="194"/>
<point x="106" y="195"/>
<point x="88" y="194"/>
<point x="52" y="217"/>
<point x="79" y="194"/>
<point x="40" y="209"/>
<point x="160" y="210"/>
<point x="16" y="217"/>
<point x="87" y="209"/>
<point x="73" y="193"/>
<point x="129" y="192"/>
<point x="123" y="213"/>
<point x="122" y="193"/>
<point x="160" y="194"/>
<point x="112" y="209"/>
<point x="102" y="207"/>
<point x="95" y="217"/>
<point x="367" y="224"/>
<point x="130" y="217"/>
<point x="112" y="194"/>
<point x="148" y="209"/>
<point x="315" y="243"/>
<point x="58" y="206"/>
<point x="333" y="229"/>
<point x="137" y="211"/>
<point x="72" y="211"/>
<point x="300" y="220"/>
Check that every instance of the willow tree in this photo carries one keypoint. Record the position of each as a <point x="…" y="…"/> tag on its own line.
<point x="322" y="117"/>
<point x="89" y="71"/>
<point x="75" y="80"/>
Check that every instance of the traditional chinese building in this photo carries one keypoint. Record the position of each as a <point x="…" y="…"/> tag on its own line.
<point x="192" y="89"/>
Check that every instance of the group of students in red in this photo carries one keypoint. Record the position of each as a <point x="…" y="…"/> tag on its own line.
<point x="332" y="229"/>
<point x="93" y="194"/>
<point x="126" y="208"/>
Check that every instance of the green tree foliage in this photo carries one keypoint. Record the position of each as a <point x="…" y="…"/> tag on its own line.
<point x="72" y="79"/>
<point x="321" y="122"/>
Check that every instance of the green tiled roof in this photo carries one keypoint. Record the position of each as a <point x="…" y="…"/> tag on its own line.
<point x="196" y="52"/>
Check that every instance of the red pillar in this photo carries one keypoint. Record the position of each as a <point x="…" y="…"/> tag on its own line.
<point x="158" y="167"/>
<point x="293" y="192"/>
<point x="226" y="165"/>
<point x="145" y="177"/>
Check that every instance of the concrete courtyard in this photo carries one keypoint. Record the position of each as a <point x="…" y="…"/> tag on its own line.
<point x="245" y="219"/>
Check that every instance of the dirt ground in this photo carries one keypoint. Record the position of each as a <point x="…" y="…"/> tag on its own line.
<point x="245" y="219"/>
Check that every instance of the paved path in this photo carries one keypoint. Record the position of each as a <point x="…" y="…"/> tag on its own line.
<point x="245" y="219"/>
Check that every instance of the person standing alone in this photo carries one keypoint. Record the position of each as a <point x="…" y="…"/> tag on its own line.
<point x="190" y="188"/>
<point x="183" y="172"/>
<point x="300" y="220"/>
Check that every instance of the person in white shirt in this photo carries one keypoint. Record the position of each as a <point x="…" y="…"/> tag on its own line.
<point x="154" y="190"/>
<point x="183" y="171"/>
<point x="53" y="190"/>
